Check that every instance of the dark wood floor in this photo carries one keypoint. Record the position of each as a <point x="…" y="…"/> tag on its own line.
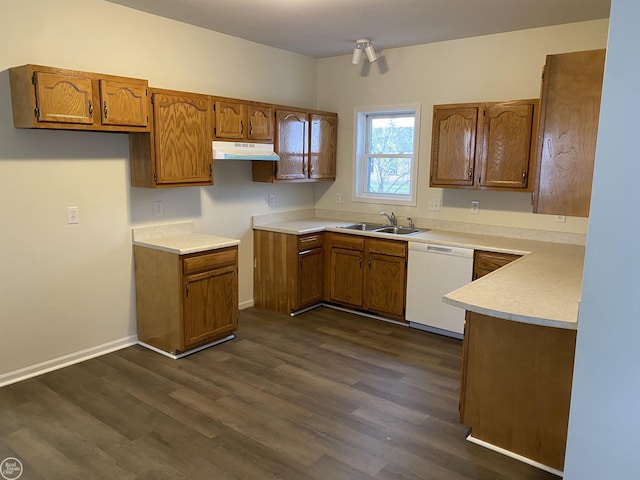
<point x="326" y="395"/>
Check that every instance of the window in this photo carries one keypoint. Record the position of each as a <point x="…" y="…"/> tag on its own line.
<point x="386" y="154"/>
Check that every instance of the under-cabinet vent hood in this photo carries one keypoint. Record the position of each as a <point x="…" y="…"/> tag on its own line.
<point x="244" y="151"/>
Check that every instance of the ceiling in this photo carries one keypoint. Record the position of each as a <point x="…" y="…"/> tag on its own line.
<point x="324" y="28"/>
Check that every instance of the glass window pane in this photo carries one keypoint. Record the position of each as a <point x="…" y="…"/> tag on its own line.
<point x="389" y="175"/>
<point x="391" y="134"/>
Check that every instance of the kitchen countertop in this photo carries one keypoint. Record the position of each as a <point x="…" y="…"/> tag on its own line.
<point x="543" y="287"/>
<point x="179" y="238"/>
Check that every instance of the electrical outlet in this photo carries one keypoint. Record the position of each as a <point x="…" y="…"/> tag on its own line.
<point x="338" y="198"/>
<point x="272" y="199"/>
<point x="73" y="215"/>
<point x="561" y="218"/>
<point x="157" y="208"/>
<point x="475" y="207"/>
<point x="434" y="205"/>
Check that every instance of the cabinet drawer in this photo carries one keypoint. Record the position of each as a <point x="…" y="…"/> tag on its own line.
<point x="487" y="262"/>
<point x="209" y="260"/>
<point x="387" y="247"/>
<point x="349" y="242"/>
<point x="307" y="242"/>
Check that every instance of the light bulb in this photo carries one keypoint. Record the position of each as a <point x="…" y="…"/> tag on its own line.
<point x="357" y="53"/>
<point x="371" y="53"/>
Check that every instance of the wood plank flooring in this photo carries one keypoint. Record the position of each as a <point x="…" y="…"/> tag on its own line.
<point x="326" y="395"/>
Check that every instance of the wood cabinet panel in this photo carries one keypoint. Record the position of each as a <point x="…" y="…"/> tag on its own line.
<point x="178" y="151"/>
<point x="260" y="123"/>
<point x="231" y="118"/>
<point x="517" y="386"/>
<point x="385" y="284"/>
<point x="310" y="277"/>
<point x="322" y="157"/>
<point x="570" y="108"/>
<point x="55" y="98"/>
<point x="292" y="145"/>
<point x="346" y="276"/>
<point x="486" y="262"/>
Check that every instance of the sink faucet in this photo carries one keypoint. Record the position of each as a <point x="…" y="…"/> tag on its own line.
<point x="392" y="218"/>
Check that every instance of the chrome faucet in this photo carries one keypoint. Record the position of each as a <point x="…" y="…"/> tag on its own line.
<point x="392" y="218"/>
<point x="411" y="225"/>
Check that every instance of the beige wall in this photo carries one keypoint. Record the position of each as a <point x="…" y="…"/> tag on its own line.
<point x="490" y="68"/>
<point x="67" y="288"/>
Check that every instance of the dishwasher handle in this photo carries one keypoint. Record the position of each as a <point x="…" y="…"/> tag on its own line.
<point x="441" y="249"/>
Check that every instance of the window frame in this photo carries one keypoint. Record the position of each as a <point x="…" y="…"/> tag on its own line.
<point x="362" y="117"/>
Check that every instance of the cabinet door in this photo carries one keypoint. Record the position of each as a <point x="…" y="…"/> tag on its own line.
<point x="569" y="113"/>
<point x="504" y="151"/>
<point x="260" y="123"/>
<point x="346" y="276"/>
<point x="292" y="145"/>
<point x="487" y="262"/>
<point x="310" y="277"/>
<point x="124" y="103"/>
<point x="63" y="98"/>
<point x="385" y="284"/>
<point x="182" y="126"/>
<point x="453" y="146"/>
<point x="210" y="305"/>
<point x="231" y="118"/>
<point x="322" y="156"/>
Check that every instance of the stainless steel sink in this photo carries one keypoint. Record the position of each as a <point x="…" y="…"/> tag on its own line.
<point x="397" y="230"/>
<point x="367" y="227"/>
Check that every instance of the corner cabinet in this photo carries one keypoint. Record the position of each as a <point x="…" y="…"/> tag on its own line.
<point x="366" y="273"/>
<point x="54" y="98"/>
<point x="288" y="270"/>
<point x="177" y="152"/>
<point x="306" y="142"/>
<point x="569" y="115"/>
<point x="240" y="120"/>
<point x="486" y="262"/>
<point x="185" y="301"/>
<point x="486" y="146"/>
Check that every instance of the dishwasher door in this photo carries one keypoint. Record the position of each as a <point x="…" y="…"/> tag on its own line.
<point x="434" y="271"/>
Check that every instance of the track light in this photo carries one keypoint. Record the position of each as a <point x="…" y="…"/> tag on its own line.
<point x="363" y="44"/>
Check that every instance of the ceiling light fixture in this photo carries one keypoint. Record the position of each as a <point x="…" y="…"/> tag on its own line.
<point x="363" y="44"/>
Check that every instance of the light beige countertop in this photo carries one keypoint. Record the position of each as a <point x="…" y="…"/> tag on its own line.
<point x="179" y="238"/>
<point x="543" y="287"/>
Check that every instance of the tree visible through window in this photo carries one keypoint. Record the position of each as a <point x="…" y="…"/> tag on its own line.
<point x="386" y="145"/>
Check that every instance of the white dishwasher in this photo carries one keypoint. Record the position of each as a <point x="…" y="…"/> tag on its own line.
<point x="433" y="271"/>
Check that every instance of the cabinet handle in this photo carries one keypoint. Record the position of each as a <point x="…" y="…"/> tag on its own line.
<point x="90" y="108"/>
<point x="360" y="262"/>
<point x="524" y="176"/>
<point x="369" y="264"/>
<point x="250" y="128"/>
<point x="241" y="127"/>
<point x="186" y="286"/>
<point x="471" y="174"/>
<point x="105" y="110"/>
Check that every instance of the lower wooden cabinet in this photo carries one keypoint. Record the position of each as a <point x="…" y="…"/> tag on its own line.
<point x="288" y="270"/>
<point x="185" y="301"/>
<point x="366" y="273"/>
<point x="486" y="262"/>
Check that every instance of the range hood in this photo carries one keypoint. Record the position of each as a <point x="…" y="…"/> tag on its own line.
<point x="244" y="151"/>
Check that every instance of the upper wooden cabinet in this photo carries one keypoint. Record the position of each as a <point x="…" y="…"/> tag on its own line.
<point x="53" y="98"/>
<point x="569" y="114"/>
<point x="487" y="146"/>
<point x="177" y="152"/>
<point x="306" y="143"/>
<point x="243" y="120"/>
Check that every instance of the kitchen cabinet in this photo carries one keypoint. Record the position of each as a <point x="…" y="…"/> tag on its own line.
<point x="516" y="386"/>
<point x="55" y="98"/>
<point x="569" y="114"/>
<point x="185" y="301"/>
<point x="177" y="152"/>
<point x="486" y="146"/>
<point x="288" y="270"/>
<point x="240" y="120"/>
<point x="486" y="262"/>
<point x="306" y="142"/>
<point x="366" y="273"/>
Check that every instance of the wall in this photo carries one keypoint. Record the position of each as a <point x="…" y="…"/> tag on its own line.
<point x="490" y="68"/>
<point x="603" y="439"/>
<point x="67" y="288"/>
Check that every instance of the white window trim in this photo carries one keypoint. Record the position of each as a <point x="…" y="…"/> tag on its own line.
<point x="358" y="181"/>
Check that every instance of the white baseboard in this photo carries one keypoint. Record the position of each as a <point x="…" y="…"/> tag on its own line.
<point x="244" y="305"/>
<point x="66" y="360"/>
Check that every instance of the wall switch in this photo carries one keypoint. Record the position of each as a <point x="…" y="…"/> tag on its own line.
<point x="434" y="205"/>
<point x="561" y="218"/>
<point x="338" y="198"/>
<point x="73" y="215"/>
<point x="157" y="208"/>
<point x="475" y="207"/>
<point x="272" y="199"/>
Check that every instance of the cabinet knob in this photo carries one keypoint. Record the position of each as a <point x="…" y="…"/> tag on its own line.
<point x="471" y="174"/>
<point x="524" y="176"/>
<point x="105" y="110"/>
<point x="90" y="108"/>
